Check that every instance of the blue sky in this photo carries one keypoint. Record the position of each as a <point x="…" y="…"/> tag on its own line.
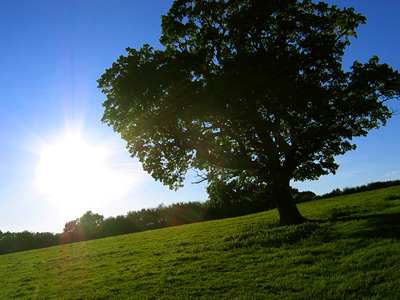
<point x="52" y="53"/>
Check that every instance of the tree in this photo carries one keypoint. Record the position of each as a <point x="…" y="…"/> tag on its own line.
<point x="90" y="222"/>
<point x="84" y="228"/>
<point x="247" y="88"/>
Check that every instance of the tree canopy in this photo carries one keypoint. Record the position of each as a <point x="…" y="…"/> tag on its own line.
<point x="247" y="90"/>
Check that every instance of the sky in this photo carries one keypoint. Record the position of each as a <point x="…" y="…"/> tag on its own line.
<point x="57" y="160"/>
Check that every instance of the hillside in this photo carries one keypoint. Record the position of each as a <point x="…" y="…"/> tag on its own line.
<point x="352" y="253"/>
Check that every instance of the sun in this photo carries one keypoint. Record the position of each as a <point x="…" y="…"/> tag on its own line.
<point x="75" y="175"/>
<point x="70" y="166"/>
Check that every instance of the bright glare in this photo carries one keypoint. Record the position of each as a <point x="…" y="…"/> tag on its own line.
<point x="75" y="175"/>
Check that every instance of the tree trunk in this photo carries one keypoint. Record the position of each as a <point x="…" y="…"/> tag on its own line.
<point x="288" y="212"/>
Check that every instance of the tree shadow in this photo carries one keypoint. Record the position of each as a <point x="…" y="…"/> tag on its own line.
<point x="377" y="225"/>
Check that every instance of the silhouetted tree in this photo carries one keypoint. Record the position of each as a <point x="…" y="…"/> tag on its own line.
<point x="84" y="228"/>
<point x="304" y="196"/>
<point x="247" y="88"/>
<point x="90" y="224"/>
<point x="70" y="233"/>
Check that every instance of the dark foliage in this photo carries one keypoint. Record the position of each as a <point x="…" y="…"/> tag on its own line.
<point x="247" y="90"/>
<point x="21" y="241"/>
<point x="236" y="198"/>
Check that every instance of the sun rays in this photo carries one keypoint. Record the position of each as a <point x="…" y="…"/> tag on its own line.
<point x="77" y="176"/>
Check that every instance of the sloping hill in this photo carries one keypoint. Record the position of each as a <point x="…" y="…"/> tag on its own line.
<point x="352" y="253"/>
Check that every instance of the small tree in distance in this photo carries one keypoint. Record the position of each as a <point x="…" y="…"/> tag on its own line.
<point x="84" y="228"/>
<point x="247" y="90"/>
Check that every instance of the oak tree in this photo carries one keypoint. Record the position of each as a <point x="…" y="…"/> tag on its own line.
<point x="248" y="90"/>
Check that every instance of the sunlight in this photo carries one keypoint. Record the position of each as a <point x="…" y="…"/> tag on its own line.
<point x="75" y="175"/>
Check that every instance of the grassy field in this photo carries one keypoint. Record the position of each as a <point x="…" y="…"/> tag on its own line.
<point x="352" y="253"/>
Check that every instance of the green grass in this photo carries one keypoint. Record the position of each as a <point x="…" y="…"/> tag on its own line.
<point x="353" y="252"/>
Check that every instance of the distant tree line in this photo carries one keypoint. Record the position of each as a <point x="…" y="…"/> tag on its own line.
<point x="358" y="189"/>
<point x="21" y="241"/>
<point x="93" y="226"/>
<point x="225" y="200"/>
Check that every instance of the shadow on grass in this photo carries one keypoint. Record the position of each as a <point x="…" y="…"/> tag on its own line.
<point x="377" y="225"/>
<point x="273" y="236"/>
